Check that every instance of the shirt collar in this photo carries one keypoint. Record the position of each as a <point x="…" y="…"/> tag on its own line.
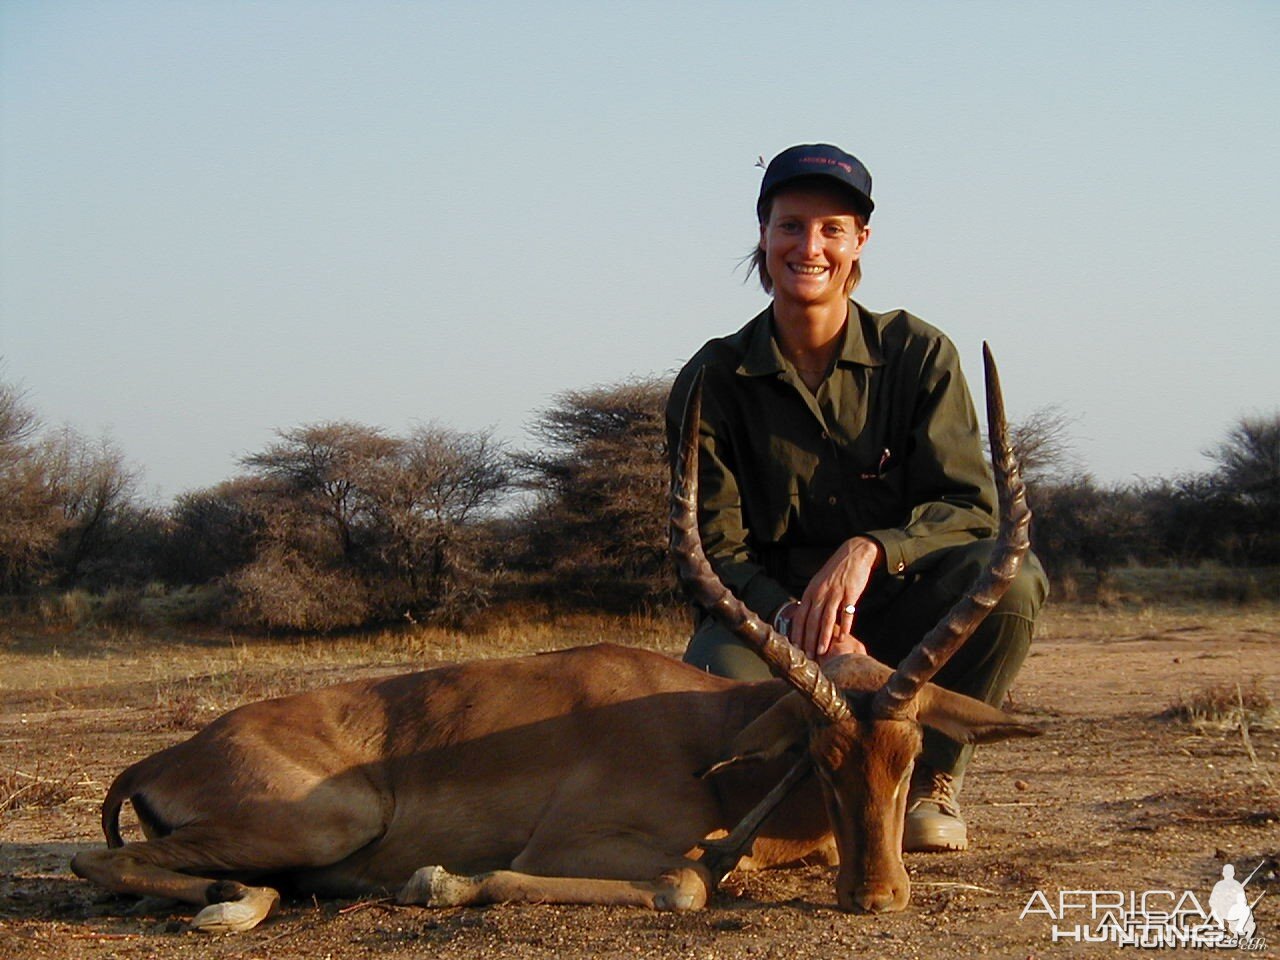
<point x="762" y="357"/>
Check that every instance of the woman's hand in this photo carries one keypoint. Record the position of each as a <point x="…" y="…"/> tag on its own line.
<point x="824" y="613"/>
<point x="841" y="643"/>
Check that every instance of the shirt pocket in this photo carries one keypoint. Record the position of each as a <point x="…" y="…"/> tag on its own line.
<point x="880" y="497"/>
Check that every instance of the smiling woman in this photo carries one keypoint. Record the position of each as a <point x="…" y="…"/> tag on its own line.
<point x="844" y="494"/>
<point x="839" y="182"/>
<point x="810" y="248"/>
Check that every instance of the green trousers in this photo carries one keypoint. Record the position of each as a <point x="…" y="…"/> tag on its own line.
<point x="896" y="612"/>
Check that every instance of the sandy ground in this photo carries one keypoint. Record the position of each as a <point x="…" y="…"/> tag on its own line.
<point x="1114" y="797"/>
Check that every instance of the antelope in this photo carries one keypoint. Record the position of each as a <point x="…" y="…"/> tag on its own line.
<point x="589" y="775"/>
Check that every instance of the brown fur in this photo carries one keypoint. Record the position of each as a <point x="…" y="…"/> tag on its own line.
<point x="579" y="765"/>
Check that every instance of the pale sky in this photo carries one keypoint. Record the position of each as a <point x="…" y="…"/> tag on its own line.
<point x="221" y="218"/>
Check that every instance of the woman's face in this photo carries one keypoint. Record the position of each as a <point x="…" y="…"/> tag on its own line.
<point x="811" y="241"/>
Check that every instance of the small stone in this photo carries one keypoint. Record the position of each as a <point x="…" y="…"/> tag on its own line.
<point x="1021" y="785"/>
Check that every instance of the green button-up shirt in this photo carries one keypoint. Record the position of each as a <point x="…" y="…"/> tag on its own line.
<point x="889" y="448"/>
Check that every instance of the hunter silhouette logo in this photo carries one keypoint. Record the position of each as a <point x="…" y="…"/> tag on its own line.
<point x="1229" y="906"/>
<point x="1151" y="919"/>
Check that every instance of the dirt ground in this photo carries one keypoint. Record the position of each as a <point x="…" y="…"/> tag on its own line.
<point x="1115" y="797"/>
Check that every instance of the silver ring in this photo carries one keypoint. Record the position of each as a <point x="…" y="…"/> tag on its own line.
<point x="849" y="608"/>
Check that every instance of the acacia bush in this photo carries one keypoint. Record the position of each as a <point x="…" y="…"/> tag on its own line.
<point x="345" y="525"/>
<point x="1079" y="525"/>
<point x="283" y="589"/>
<point x="70" y="513"/>
<point x="596" y="528"/>
<point x="29" y="519"/>
<point x="214" y="531"/>
<point x="1246" y="484"/>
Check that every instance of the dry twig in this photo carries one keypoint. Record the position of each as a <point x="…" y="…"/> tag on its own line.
<point x="1248" y="745"/>
<point x="366" y="904"/>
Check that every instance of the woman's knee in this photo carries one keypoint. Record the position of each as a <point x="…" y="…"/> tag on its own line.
<point x="716" y="650"/>
<point x="1028" y="591"/>
<point x="957" y="569"/>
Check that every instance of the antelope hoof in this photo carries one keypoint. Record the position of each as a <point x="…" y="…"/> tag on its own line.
<point x="237" y="916"/>
<point x="435" y="887"/>
<point x="681" y="890"/>
<point x="677" y="900"/>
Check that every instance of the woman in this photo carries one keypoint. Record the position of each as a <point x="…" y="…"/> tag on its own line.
<point x="844" y="494"/>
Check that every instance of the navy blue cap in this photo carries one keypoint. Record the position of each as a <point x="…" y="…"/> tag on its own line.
<point x="817" y="160"/>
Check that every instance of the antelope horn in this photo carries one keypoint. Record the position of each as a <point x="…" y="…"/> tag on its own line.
<point x="785" y="660"/>
<point x="1012" y="542"/>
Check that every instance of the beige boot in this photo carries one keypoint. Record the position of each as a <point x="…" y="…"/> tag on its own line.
<point x="933" y="822"/>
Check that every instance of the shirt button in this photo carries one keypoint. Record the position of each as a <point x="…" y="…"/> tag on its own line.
<point x="825" y="435"/>
<point x="833" y="500"/>
<point x="901" y="565"/>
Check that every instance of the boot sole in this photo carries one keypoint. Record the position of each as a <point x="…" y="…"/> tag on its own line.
<point x="953" y="846"/>
<point x="934" y="834"/>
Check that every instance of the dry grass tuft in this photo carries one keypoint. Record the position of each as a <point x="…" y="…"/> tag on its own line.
<point x="19" y="788"/>
<point x="72" y="609"/>
<point x="1226" y="705"/>
<point x="1234" y="706"/>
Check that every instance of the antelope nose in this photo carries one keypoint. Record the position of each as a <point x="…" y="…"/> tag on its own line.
<point x="876" y="900"/>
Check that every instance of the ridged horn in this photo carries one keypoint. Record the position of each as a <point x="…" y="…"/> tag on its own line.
<point x="1012" y="542"/>
<point x="784" y="660"/>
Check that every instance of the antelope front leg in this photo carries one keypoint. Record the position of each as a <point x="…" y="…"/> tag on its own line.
<point x="721" y="856"/>
<point x="684" y="888"/>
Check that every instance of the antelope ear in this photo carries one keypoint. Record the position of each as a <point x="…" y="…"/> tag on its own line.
<point x="770" y="735"/>
<point x="967" y="720"/>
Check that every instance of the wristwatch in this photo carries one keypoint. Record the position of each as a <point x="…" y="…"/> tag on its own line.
<point x="781" y="623"/>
